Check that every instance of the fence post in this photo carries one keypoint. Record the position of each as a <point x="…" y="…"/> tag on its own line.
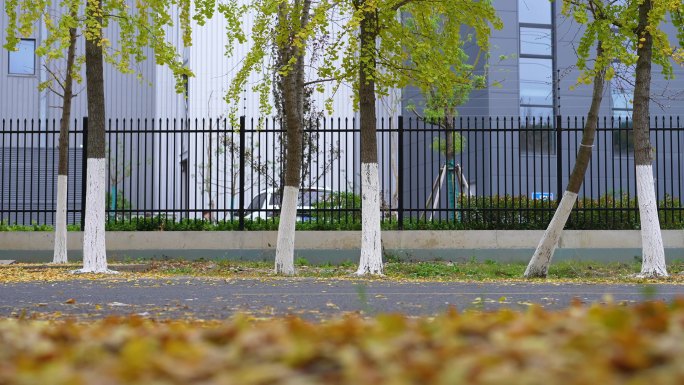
<point x="84" y="171"/>
<point x="400" y="174"/>
<point x="559" y="158"/>
<point x="241" y="199"/>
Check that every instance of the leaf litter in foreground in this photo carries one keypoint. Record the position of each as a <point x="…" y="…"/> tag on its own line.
<point x="601" y="344"/>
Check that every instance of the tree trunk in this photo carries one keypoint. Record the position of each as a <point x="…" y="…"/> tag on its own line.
<point x="60" y="247"/>
<point x="539" y="264"/>
<point x="653" y="253"/>
<point x="371" y="249"/>
<point x="288" y="211"/>
<point x="293" y="109"/>
<point x="94" y="248"/>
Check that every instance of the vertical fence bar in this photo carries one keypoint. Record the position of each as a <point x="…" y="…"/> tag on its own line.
<point x="84" y="171"/>
<point x="137" y="171"/>
<point x="23" y="170"/>
<point x="2" y="172"/>
<point x="400" y="174"/>
<point x="16" y="184"/>
<point x="241" y="199"/>
<point x="559" y="158"/>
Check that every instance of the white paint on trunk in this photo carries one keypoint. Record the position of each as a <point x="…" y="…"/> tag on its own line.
<point x="284" y="258"/>
<point x="60" y="251"/>
<point x="539" y="264"/>
<point x="653" y="253"/>
<point x="94" y="248"/>
<point x="371" y="248"/>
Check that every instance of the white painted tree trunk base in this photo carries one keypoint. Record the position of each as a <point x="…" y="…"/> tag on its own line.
<point x="539" y="264"/>
<point x="94" y="247"/>
<point x="284" y="258"/>
<point x="60" y="251"/>
<point x="370" y="261"/>
<point x="84" y="271"/>
<point x="653" y="253"/>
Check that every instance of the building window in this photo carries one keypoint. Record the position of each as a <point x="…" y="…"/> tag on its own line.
<point x="536" y="82"/>
<point x="535" y="67"/>
<point x="621" y="95"/>
<point x="537" y="134"/>
<point x="535" y="41"/>
<point x="23" y="60"/>
<point x="534" y="11"/>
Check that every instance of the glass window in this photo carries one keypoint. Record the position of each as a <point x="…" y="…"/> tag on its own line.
<point x="622" y="118"/>
<point x="311" y="197"/>
<point x="622" y="94"/>
<point x="621" y="100"/>
<point x="275" y="199"/>
<point x="623" y="139"/>
<point x="537" y="135"/>
<point x="534" y="11"/>
<point x="622" y="87"/>
<point x="23" y="61"/>
<point x="536" y="116"/>
<point x="536" y="81"/>
<point x="535" y="41"/>
<point x="257" y="202"/>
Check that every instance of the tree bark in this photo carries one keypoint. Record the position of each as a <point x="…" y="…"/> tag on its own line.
<point x="653" y="253"/>
<point x="293" y="170"/>
<point x="370" y="261"/>
<point x="293" y="109"/>
<point x="539" y="264"/>
<point x="94" y="247"/>
<point x="60" y="246"/>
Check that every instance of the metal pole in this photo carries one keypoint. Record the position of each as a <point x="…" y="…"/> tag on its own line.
<point x="559" y="158"/>
<point x="84" y="171"/>
<point x="241" y="200"/>
<point x="400" y="174"/>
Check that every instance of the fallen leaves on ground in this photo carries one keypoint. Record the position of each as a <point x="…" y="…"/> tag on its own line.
<point x="567" y="272"/>
<point x="610" y="344"/>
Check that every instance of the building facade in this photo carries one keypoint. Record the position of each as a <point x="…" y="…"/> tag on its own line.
<point x="532" y="91"/>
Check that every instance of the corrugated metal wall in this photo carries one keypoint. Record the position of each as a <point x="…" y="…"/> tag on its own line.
<point x="18" y="93"/>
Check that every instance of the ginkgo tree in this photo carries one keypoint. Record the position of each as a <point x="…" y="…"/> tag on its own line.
<point x="442" y="98"/>
<point x="628" y="32"/>
<point x="280" y="43"/>
<point x="62" y="84"/>
<point x="392" y="44"/>
<point x="644" y="19"/>
<point x="598" y="18"/>
<point x="140" y="26"/>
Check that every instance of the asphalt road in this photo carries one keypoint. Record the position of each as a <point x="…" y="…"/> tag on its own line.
<point x="308" y="298"/>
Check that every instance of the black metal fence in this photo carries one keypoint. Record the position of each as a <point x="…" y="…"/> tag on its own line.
<point x="503" y="173"/>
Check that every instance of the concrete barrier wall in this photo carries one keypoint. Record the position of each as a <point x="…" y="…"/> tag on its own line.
<point x="334" y="246"/>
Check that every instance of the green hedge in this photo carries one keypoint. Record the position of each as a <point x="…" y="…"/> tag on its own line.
<point x="476" y="213"/>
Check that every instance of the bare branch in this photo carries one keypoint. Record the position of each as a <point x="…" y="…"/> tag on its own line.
<point x="54" y="76"/>
<point x="320" y="81"/>
<point x="55" y="91"/>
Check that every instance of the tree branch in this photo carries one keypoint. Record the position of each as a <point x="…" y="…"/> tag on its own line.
<point x="54" y="76"/>
<point x="320" y="81"/>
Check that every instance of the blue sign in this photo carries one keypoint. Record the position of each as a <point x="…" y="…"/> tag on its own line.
<point x="542" y="196"/>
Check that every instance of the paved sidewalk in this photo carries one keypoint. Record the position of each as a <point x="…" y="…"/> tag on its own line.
<point x="309" y="298"/>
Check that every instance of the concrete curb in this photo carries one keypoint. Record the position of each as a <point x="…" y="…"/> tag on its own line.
<point x="340" y="246"/>
<point x="339" y="240"/>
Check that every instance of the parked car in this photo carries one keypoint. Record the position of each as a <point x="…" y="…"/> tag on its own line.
<point x="266" y="203"/>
